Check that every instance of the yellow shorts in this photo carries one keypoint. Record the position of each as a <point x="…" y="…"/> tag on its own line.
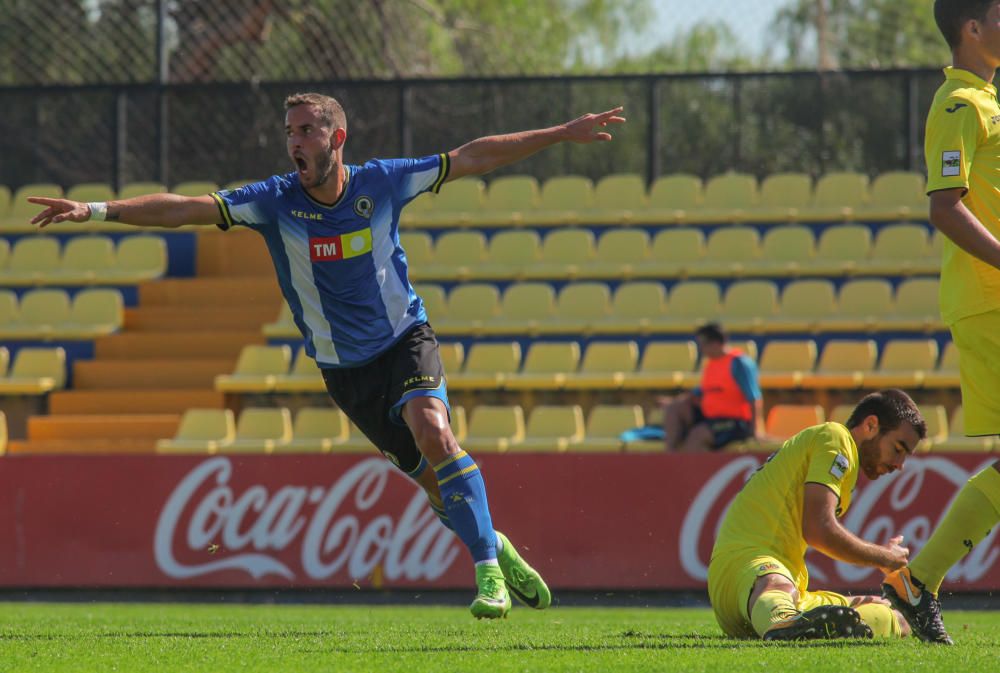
<point x="978" y="341"/>
<point x="730" y="583"/>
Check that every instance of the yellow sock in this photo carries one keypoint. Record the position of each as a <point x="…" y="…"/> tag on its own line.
<point x="772" y="607"/>
<point x="881" y="619"/>
<point x="975" y="511"/>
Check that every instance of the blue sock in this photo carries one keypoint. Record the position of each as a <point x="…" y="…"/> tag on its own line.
<point x="465" y="506"/>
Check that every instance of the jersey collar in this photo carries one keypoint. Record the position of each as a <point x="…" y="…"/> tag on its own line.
<point x="340" y="199"/>
<point x="975" y="80"/>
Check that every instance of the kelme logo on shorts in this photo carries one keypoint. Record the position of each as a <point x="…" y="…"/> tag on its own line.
<point x="345" y="246"/>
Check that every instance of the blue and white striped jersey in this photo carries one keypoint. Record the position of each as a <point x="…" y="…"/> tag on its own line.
<point x="341" y="267"/>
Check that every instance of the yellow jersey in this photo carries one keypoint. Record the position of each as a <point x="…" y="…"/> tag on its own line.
<point x="962" y="150"/>
<point x="765" y="518"/>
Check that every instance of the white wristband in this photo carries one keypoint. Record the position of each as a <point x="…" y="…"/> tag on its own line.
<point x="98" y="210"/>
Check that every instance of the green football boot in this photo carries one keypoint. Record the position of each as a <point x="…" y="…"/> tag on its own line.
<point x="492" y="600"/>
<point x="522" y="580"/>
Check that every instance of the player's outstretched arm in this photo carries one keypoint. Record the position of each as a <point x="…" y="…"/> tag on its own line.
<point x="151" y="210"/>
<point x="483" y="155"/>
<point x="957" y="222"/>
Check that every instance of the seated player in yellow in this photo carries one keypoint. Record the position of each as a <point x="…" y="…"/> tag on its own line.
<point x="757" y="579"/>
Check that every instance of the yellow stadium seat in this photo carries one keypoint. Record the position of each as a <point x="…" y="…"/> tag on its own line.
<point x="4" y="361"/>
<point x="605" y="366"/>
<point x="565" y="254"/>
<point x="525" y="307"/>
<point x="904" y="364"/>
<point x="509" y="199"/>
<point x="33" y="261"/>
<point x="134" y="189"/>
<point x="786" y="251"/>
<point x="138" y="258"/>
<point x="665" y="365"/>
<point x="936" y="417"/>
<point x="283" y="327"/>
<point x="459" y="426"/>
<point x="861" y="306"/>
<point x="748" y="347"/>
<point x="195" y="188"/>
<point x="4" y="201"/>
<point x="842" y="365"/>
<point x="916" y="306"/>
<point x="897" y="195"/>
<point x="9" y="313"/>
<point x="729" y="251"/>
<point x="546" y="366"/>
<point x="85" y="193"/>
<point x="728" y="198"/>
<point x="957" y="441"/>
<point x="672" y="254"/>
<point x="36" y="371"/>
<point x="635" y="307"/>
<point x="458" y="204"/>
<point x="841" y="413"/>
<point x="40" y="314"/>
<point x="3" y="433"/>
<point x="257" y="370"/>
<point x="605" y="423"/>
<point x="434" y="300"/>
<point x="95" y="312"/>
<point x="472" y="307"/>
<point x="552" y="429"/>
<point x="619" y="252"/>
<point x="4" y="253"/>
<point x="303" y="377"/>
<point x="782" y="198"/>
<point x="840" y="248"/>
<point x="414" y="212"/>
<point x="419" y="249"/>
<point x="510" y="253"/>
<point x="563" y="199"/>
<point x="456" y="253"/>
<point x="804" y="305"/>
<point x="784" y="364"/>
<point x="452" y="354"/>
<point x="654" y="416"/>
<point x="787" y="420"/>
<point x="898" y="249"/>
<point x="946" y="375"/>
<point x="494" y="428"/>
<point x="18" y="218"/>
<point x="617" y="198"/>
<point x="487" y="366"/>
<point x="692" y="303"/>
<point x="837" y="197"/>
<point x="201" y="431"/>
<point x="356" y="442"/>
<point x="316" y="430"/>
<point x="579" y="309"/>
<point x="261" y="430"/>
<point x="672" y="199"/>
<point x="749" y="304"/>
<point x="931" y="263"/>
<point x="85" y="259"/>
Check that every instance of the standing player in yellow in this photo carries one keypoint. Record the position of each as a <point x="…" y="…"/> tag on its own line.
<point x="757" y="579"/>
<point x="962" y="150"/>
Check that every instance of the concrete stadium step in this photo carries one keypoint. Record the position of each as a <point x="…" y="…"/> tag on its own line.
<point x="190" y="319"/>
<point x="163" y="345"/>
<point x="95" y="426"/>
<point x="141" y="375"/>
<point x="132" y="402"/>
<point x="82" y="446"/>
<point x="191" y="292"/>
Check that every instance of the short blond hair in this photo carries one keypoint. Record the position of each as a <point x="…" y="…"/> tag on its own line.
<point x="330" y="111"/>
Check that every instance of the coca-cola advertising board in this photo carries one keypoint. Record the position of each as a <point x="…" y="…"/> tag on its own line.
<point x="585" y="521"/>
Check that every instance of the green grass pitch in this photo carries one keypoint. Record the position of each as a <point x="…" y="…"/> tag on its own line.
<point x="223" y="638"/>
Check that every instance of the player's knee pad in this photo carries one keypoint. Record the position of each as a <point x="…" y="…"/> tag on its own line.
<point x="882" y="620"/>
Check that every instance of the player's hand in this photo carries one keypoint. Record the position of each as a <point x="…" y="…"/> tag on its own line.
<point x="59" y="210"/>
<point x="589" y="127"/>
<point x="898" y="554"/>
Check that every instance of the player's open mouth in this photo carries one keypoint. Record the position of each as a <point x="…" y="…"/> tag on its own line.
<point x="301" y="163"/>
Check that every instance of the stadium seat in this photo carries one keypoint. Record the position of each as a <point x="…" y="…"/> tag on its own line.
<point x="916" y="307"/>
<point x="665" y="365"/>
<point x="95" y="312"/>
<point x="85" y="259"/>
<point x="605" y="366"/>
<point x="956" y="439"/>
<point x="672" y="254"/>
<point x="692" y="303"/>
<point x="552" y="429"/>
<point x="201" y="431"/>
<point x="838" y="195"/>
<point x="283" y="327"/>
<point x="784" y="364"/>
<point x="861" y="306"/>
<point x="4" y="201"/>
<point x="9" y="312"/>
<point x="654" y="417"/>
<point x="85" y="193"/>
<point x="4" y="361"/>
<point x="487" y="366"/>
<point x="618" y="253"/>
<point x="316" y="430"/>
<point x="138" y="258"/>
<point x="455" y="254"/>
<point x="18" y="218"/>
<point x="635" y="307"/>
<point x="509" y="199"/>
<point x="563" y="199"/>
<point x="672" y="199"/>
<point x="33" y="261"/>
<point x="3" y="433"/>
<point x="565" y="254"/>
<point x="841" y="413"/>
<point x="412" y="216"/>
<point x="839" y="249"/>
<point x="947" y="374"/>
<point x="458" y="423"/>
<point x="303" y="377"/>
<point x="729" y="251"/>
<point x="261" y="430"/>
<point x="546" y="366"/>
<point x="434" y="300"/>
<point x="39" y="315"/>
<point x="510" y="253"/>
<point x="579" y="308"/>
<point x="728" y="198"/>
<point x="842" y="365"/>
<point x="419" y="249"/>
<point x="471" y="308"/>
<point x="605" y="423"/>
<point x="494" y="428"/>
<point x="931" y="264"/>
<point x="804" y="306"/>
<point x="134" y="189"/>
<point x="898" y="249"/>
<point x="787" y="420"/>
<point x="749" y="304"/>
<point x="257" y="370"/>
<point x="617" y="198"/>
<point x="458" y="204"/>
<point x="194" y="188"/>
<point x="786" y="251"/>
<point x="356" y="442"/>
<point x="904" y="364"/>
<point x="525" y="307"/>
<point x="782" y="197"/>
<point x="452" y="355"/>
<point x="36" y="371"/>
<point x="4" y="253"/>
<point x="896" y="195"/>
<point x="936" y="417"/>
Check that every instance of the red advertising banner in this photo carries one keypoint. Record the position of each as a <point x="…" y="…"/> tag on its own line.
<point x="585" y="521"/>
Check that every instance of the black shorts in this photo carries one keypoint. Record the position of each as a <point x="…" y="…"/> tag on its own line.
<point x="724" y="430"/>
<point x="373" y="394"/>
